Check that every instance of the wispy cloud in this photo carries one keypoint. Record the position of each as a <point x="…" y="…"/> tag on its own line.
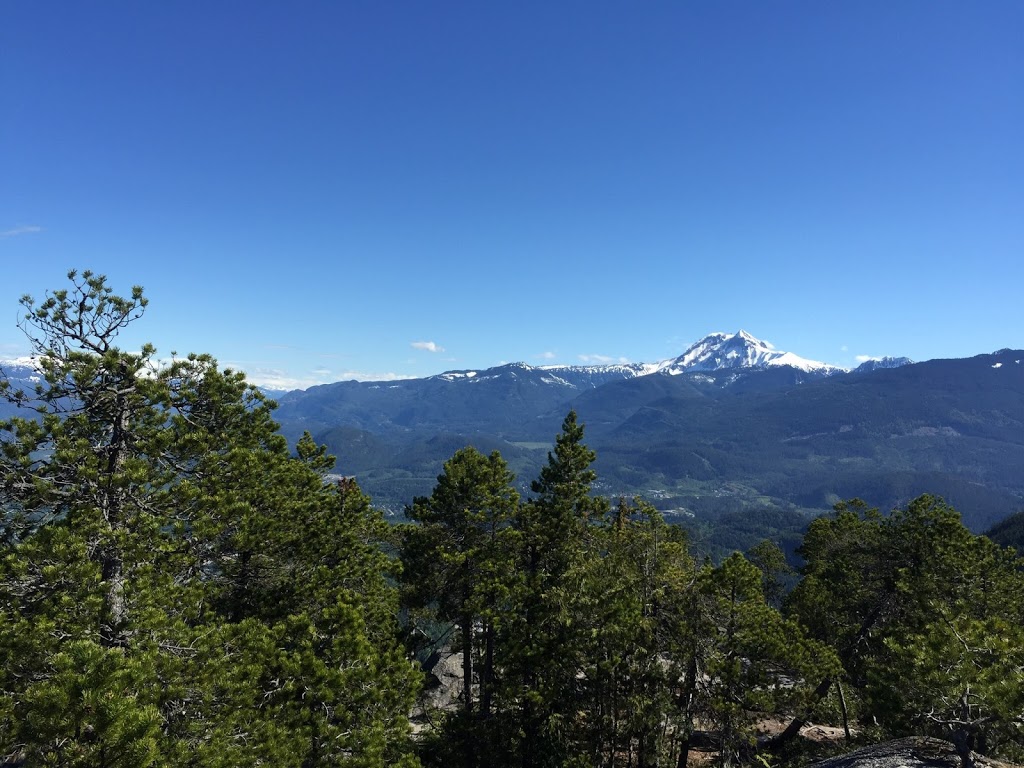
<point x="603" y="359"/>
<point x="273" y="378"/>
<point x="427" y="346"/>
<point x="27" y="230"/>
<point x="547" y="356"/>
<point x="865" y="358"/>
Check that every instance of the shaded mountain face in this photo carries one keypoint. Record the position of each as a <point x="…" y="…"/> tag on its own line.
<point x="728" y="428"/>
<point x="950" y="427"/>
<point x="528" y="402"/>
<point x="727" y="431"/>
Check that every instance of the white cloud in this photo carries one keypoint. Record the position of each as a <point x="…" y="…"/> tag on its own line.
<point x="427" y="346"/>
<point x="547" y="355"/>
<point x="603" y="359"/>
<point x="844" y="348"/>
<point x="272" y="378"/>
<point x="19" y="231"/>
<point x="865" y="358"/>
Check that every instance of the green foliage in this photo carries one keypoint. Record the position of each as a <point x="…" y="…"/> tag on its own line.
<point x="738" y="651"/>
<point x="459" y="558"/>
<point x="175" y="587"/>
<point x="635" y="578"/>
<point x="769" y="558"/>
<point x="925" y="617"/>
<point x="547" y="630"/>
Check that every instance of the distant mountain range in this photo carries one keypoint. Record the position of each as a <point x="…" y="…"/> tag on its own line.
<point x="517" y="400"/>
<point x="729" y="427"/>
<point x="732" y="433"/>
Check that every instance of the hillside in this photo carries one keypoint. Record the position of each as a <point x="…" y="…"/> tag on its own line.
<point x="729" y="431"/>
<point x="728" y="435"/>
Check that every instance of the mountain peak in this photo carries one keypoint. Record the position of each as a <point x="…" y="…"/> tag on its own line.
<point x="723" y="351"/>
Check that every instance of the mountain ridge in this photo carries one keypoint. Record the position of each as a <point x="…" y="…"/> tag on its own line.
<point x="714" y="352"/>
<point x="731" y="437"/>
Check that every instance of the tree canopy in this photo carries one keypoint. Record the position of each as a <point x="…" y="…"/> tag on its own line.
<point x="179" y="587"/>
<point x="176" y="587"/>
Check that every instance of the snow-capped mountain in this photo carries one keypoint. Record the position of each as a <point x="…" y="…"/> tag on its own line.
<point x="715" y="352"/>
<point x="566" y="375"/>
<point x="723" y="351"/>
<point x="20" y="371"/>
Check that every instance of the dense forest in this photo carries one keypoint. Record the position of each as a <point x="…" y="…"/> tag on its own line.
<point x="178" y="587"/>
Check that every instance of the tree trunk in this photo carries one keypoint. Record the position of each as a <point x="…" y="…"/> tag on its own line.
<point x="487" y="674"/>
<point x="842" y="705"/>
<point x="467" y="663"/>
<point x="793" y="729"/>
<point x="112" y="634"/>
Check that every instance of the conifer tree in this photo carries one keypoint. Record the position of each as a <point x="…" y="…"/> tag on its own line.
<point x="167" y="589"/>
<point x="926" y="619"/>
<point x="643" y="569"/>
<point x="459" y="560"/>
<point x="742" y="646"/>
<point x="547" y="647"/>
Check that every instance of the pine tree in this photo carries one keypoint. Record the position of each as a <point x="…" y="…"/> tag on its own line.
<point x="459" y="560"/>
<point x="742" y="647"/>
<point x="628" y="714"/>
<point x="161" y="601"/>
<point x="547" y="647"/>
<point x="925" y="618"/>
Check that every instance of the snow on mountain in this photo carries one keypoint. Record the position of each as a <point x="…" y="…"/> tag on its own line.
<point x="882" y="363"/>
<point x="27" y="361"/>
<point x="20" y="368"/>
<point x="715" y="352"/>
<point x="723" y="351"/>
<point x="575" y="376"/>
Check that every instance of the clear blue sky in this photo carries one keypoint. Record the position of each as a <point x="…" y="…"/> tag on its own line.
<point x="308" y="190"/>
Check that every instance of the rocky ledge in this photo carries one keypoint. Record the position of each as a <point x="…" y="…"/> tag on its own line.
<point x="907" y="753"/>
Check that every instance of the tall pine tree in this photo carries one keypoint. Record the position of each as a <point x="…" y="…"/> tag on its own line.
<point x="169" y="592"/>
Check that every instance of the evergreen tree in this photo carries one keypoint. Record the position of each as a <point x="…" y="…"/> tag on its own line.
<point x="167" y="593"/>
<point x="459" y="560"/>
<point x="743" y="647"/>
<point x="628" y="714"/>
<point x="926" y="620"/>
<point x="547" y="643"/>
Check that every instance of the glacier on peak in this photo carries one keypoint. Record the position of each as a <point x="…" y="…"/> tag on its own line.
<point x="715" y="352"/>
<point x="723" y="351"/>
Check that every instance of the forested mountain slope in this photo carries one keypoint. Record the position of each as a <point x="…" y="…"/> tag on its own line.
<point x="708" y="442"/>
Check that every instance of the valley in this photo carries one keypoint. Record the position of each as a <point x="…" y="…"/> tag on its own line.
<point x="730" y="429"/>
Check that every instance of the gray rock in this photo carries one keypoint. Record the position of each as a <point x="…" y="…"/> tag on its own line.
<point x="914" y="752"/>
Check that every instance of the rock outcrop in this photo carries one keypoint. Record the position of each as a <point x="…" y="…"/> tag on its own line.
<point x="912" y="752"/>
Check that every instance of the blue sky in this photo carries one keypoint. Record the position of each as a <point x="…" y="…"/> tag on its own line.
<point x="332" y="190"/>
